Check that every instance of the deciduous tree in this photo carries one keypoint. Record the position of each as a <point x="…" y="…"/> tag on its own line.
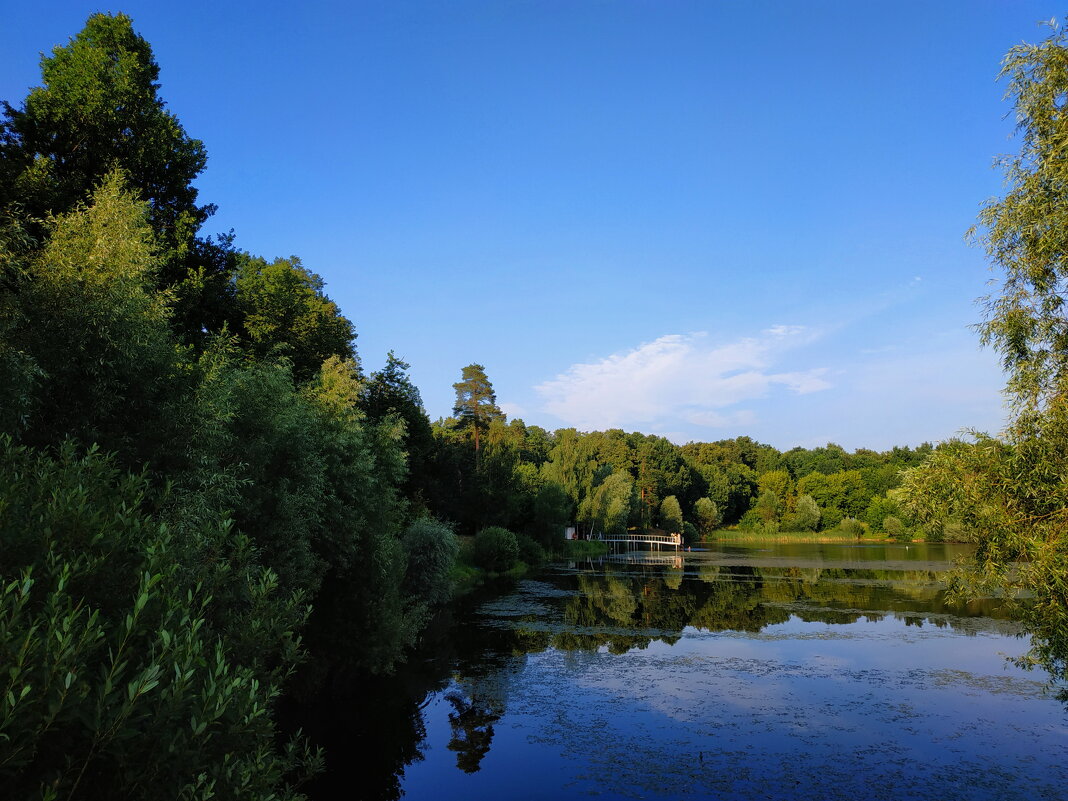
<point x="671" y="515"/>
<point x="1025" y="233"/>
<point x="98" y="108"/>
<point x="708" y="516"/>
<point x="286" y="313"/>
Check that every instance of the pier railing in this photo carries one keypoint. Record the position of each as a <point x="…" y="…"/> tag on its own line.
<point x="672" y="540"/>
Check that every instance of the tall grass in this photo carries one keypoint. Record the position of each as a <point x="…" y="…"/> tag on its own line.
<point x="832" y="535"/>
<point x="579" y="549"/>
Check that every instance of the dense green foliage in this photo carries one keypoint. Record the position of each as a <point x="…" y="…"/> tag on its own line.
<point x="432" y="549"/>
<point x="139" y="663"/>
<point x="199" y="489"/>
<point x="1024" y="232"/>
<point x="537" y="482"/>
<point x="98" y="109"/>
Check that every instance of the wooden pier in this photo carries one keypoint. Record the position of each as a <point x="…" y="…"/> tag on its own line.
<point x="658" y="541"/>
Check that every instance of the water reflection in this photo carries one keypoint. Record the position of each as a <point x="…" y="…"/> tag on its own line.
<point x="803" y="624"/>
<point x="625" y="603"/>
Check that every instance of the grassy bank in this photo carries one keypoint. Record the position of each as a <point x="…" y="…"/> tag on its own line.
<point x="832" y="536"/>
<point x="581" y="549"/>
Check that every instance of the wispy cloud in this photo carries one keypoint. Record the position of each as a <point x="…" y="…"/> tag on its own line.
<point x="512" y="410"/>
<point x="680" y="378"/>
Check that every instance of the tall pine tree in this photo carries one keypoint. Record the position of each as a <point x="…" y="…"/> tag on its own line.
<point x="476" y="403"/>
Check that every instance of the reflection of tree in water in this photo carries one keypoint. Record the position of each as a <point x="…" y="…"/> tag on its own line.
<point x="622" y="607"/>
<point x="472" y="731"/>
<point x="478" y="700"/>
<point x="372" y="727"/>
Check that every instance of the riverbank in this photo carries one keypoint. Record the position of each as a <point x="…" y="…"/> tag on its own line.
<point x="727" y="536"/>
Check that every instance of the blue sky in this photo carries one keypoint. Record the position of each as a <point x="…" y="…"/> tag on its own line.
<point x="696" y="219"/>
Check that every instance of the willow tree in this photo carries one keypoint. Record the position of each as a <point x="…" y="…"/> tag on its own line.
<point x="1010" y="493"/>
<point x="1025" y="233"/>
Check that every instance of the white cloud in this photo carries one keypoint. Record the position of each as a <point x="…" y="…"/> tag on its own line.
<point x="512" y="410"/>
<point x="679" y="378"/>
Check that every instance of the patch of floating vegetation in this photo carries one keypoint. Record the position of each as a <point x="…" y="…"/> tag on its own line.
<point x="543" y="627"/>
<point x="543" y="589"/>
<point x="529" y="598"/>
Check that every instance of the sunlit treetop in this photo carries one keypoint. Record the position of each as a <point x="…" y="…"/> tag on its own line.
<point x="97" y="108"/>
<point x="1025" y="233"/>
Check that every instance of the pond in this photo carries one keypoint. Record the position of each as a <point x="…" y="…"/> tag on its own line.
<point x="775" y="671"/>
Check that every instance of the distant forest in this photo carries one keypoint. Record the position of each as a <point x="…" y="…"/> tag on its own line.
<point x="532" y="480"/>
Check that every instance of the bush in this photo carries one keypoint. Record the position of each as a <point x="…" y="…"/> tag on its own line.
<point x="934" y="531"/>
<point x="125" y="678"/>
<point x="689" y="532"/>
<point x="895" y="528"/>
<point x="878" y="510"/>
<point x="852" y="527"/>
<point x="496" y="549"/>
<point x="530" y="551"/>
<point x="751" y="521"/>
<point x="432" y="548"/>
<point x="807" y="517"/>
<point x="707" y="515"/>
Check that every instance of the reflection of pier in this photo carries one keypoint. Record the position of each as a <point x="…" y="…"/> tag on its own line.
<point x="656" y="540"/>
<point x="675" y="560"/>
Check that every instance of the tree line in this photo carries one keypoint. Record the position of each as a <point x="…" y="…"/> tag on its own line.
<point x="537" y="481"/>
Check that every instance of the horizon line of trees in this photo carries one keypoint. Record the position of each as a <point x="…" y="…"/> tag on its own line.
<point x="487" y="471"/>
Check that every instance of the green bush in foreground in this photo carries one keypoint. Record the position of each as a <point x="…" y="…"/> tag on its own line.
<point x="116" y="683"/>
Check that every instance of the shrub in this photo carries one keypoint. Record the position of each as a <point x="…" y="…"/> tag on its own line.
<point x="122" y="682"/>
<point x="895" y="528"/>
<point x="707" y="514"/>
<point x="751" y="521"/>
<point x="530" y="551"/>
<point x="496" y="549"/>
<point x="807" y="517"/>
<point x="671" y="514"/>
<point x="432" y="548"/>
<point x="852" y="527"/>
<point x="689" y="532"/>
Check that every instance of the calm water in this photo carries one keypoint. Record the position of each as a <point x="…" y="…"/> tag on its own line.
<point x="801" y="671"/>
